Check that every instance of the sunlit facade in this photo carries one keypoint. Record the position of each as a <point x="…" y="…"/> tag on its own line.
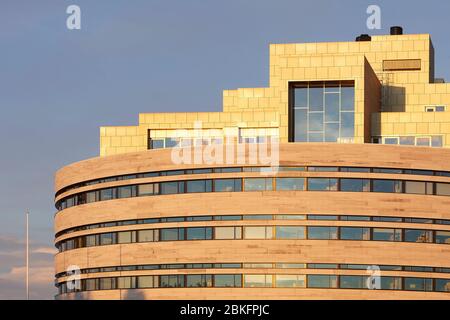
<point x="355" y="207"/>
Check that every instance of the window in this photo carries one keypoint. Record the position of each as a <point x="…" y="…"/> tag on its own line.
<point x="91" y="284"/>
<point x="146" y="282"/>
<point x="91" y="197"/>
<point x="380" y="234"/>
<point x="156" y="143"/>
<point x="391" y="186"/>
<point x="258" y="217"/>
<point x="257" y="281"/>
<point x="227" y="280"/>
<point x="203" y="233"/>
<point x="257" y="184"/>
<point x="355" y="233"/>
<point x="322" y="111"/>
<point x="172" y="234"/>
<point x="199" y="281"/>
<point x="290" y="266"/>
<point x="107" y="283"/>
<point x="126" y="282"/>
<point x="222" y="233"/>
<point x="322" y="281"/>
<point x="322" y="184"/>
<point x="322" y="266"/>
<point x="322" y="233"/>
<point x="171" y="142"/>
<point x="174" y="281"/>
<point x="107" y="194"/>
<point x="391" y="283"/>
<point x="227" y="185"/>
<point x="443" y="237"/>
<point x="126" y="192"/>
<point x="125" y="237"/>
<point x="322" y="217"/>
<point x="423" y="141"/>
<point x="443" y="285"/>
<point x="290" y="232"/>
<point x="355" y="185"/>
<point x="147" y="189"/>
<point x="290" y="281"/>
<point x="107" y="238"/>
<point x="443" y="189"/>
<point x="169" y="187"/>
<point x="258" y="232"/>
<point x="199" y="186"/>
<point x="290" y="217"/>
<point x="407" y="141"/>
<point x="416" y="187"/>
<point x="390" y="140"/>
<point x="146" y="236"/>
<point x="353" y="282"/>
<point x="290" y="183"/>
<point x="418" y="235"/>
<point x="323" y="169"/>
<point x="436" y="141"/>
<point x="91" y="241"/>
<point x="418" y="284"/>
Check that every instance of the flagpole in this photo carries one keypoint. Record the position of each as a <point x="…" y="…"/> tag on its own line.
<point x="27" y="257"/>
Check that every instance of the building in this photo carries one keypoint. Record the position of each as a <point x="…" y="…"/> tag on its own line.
<point x="355" y="205"/>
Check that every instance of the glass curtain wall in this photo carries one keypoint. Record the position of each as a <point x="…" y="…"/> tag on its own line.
<point x="323" y="111"/>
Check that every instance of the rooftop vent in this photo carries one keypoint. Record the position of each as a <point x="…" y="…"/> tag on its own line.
<point x="396" y="31"/>
<point x="364" y="37"/>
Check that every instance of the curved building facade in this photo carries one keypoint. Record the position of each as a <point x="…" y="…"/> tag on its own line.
<point x="314" y="228"/>
<point x="350" y="200"/>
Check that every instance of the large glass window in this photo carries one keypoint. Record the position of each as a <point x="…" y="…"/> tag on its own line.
<point x="323" y="111"/>
<point x="201" y="233"/>
<point x="290" y="232"/>
<point x="199" y="280"/>
<point x="227" y="280"/>
<point x="227" y="185"/>
<point x="418" y="284"/>
<point x="322" y="184"/>
<point x="322" y="233"/>
<point x="355" y="233"/>
<point x="391" y="186"/>
<point x="443" y="189"/>
<point x="322" y="281"/>
<point x="391" y="283"/>
<point x="223" y="233"/>
<point x="443" y="285"/>
<point x="418" y="235"/>
<point x="199" y="186"/>
<point x="146" y="282"/>
<point x="258" y="232"/>
<point x="290" y="281"/>
<point x="416" y="187"/>
<point x="355" y="185"/>
<point x="290" y="183"/>
<point x="172" y="281"/>
<point x="146" y="236"/>
<point x="172" y="234"/>
<point x="257" y="280"/>
<point x="353" y="282"/>
<point x="257" y="184"/>
<point x="169" y="187"/>
<point x="443" y="237"/>
<point x="381" y="234"/>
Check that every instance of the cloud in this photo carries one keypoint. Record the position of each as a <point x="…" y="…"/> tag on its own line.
<point x="12" y="270"/>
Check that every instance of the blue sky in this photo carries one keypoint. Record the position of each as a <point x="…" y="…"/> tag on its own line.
<point x="58" y="86"/>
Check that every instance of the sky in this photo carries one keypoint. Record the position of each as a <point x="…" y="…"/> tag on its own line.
<point x="58" y="86"/>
